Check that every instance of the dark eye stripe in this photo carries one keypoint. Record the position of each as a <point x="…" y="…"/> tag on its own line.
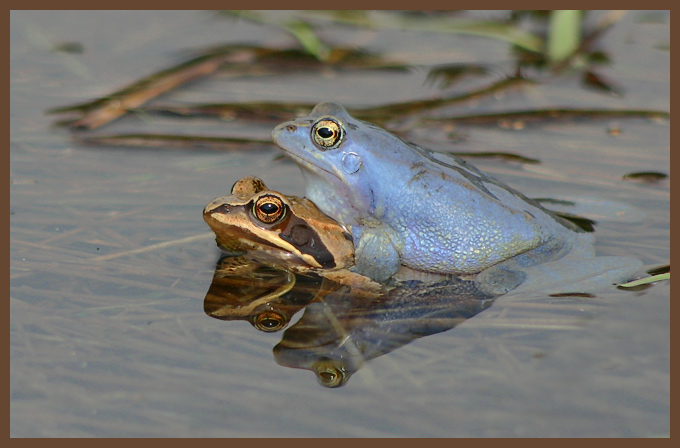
<point x="308" y="242"/>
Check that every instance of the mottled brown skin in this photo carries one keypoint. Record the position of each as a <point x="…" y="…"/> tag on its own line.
<point x="287" y="228"/>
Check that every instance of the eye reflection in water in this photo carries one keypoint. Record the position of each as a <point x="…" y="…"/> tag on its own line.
<point x="340" y="329"/>
<point x="270" y="321"/>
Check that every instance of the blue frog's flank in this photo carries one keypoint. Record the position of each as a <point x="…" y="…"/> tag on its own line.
<point x="406" y="205"/>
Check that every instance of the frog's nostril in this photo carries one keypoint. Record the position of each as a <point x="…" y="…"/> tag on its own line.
<point x="291" y="128"/>
<point x="223" y="209"/>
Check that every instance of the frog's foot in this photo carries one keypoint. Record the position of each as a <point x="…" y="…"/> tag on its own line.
<point x="408" y="275"/>
<point x="513" y="272"/>
<point x="360" y="284"/>
<point x="594" y="208"/>
<point x="499" y="279"/>
<point x="588" y="275"/>
<point x="375" y="255"/>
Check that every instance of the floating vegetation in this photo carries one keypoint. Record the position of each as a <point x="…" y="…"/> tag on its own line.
<point x="657" y="274"/>
<point x="506" y="156"/>
<point x="564" y="34"/>
<point x="382" y="114"/>
<point x="662" y="269"/>
<point x="69" y="47"/>
<point x="252" y="111"/>
<point x="104" y="110"/>
<point x="585" y="224"/>
<point x="650" y="177"/>
<point x="646" y="281"/>
<point x="171" y="141"/>
<point x="583" y="295"/>
<point x="241" y="60"/>
<point x="276" y="111"/>
<point x="549" y="115"/>
<point x="568" y="45"/>
<point x="391" y="20"/>
<point x="596" y="81"/>
<point x="445" y="75"/>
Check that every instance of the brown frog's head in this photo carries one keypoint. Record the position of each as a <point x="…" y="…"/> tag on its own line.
<point x="289" y="229"/>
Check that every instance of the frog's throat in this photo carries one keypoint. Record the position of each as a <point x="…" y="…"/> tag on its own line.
<point x="311" y="166"/>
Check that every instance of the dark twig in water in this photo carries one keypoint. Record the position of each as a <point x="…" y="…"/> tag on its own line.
<point x="497" y="155"/>
<point x="106" y="109"/>
<point x="241" y="59"/>
<point x="169" y="141"/>
<point x="650" y="177"/>
<point x="382" y="114"/>
<point x="538" y="115"/>
<point x="276" y="111"/>
<point x="256" y="110"/>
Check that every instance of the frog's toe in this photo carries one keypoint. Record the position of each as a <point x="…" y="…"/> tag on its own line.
<point x="499" y="280"/>
<point x="578" y="276"/>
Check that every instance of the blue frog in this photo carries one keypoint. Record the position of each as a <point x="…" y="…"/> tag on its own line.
<point x="405" y="205"/>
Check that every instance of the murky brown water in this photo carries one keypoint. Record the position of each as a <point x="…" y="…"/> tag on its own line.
<point x="111" y="260"/>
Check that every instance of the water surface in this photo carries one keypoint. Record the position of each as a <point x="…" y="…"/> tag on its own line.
<point x="111" y="260"/>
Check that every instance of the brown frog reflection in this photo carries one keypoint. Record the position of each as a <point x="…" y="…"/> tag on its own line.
<point x="267" y="296"/>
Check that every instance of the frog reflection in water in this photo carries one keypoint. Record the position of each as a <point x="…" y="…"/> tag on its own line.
<point x="335" y="337"/>
<point x="339" y="331"/>
<point x="266" y="296"/>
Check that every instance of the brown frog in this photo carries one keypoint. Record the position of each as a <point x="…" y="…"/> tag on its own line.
<point x="284" y="230"/>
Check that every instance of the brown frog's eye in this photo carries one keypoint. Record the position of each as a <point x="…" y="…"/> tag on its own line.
<point x="269" y="321"/>
<point x="327" y="133"/>
<point x="268" y="209"/>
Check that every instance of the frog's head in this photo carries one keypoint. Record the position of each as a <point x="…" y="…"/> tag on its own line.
<point x="287" y="228"/>
<point x="331" y="148"/>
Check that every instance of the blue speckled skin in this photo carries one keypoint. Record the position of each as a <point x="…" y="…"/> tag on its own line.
<point x="406" y="205"/>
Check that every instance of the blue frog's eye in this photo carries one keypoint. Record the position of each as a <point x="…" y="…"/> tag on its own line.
<point x="327" y="134"/>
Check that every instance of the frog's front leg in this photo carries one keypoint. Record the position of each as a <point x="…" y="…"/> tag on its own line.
<point x="375" y="253"/>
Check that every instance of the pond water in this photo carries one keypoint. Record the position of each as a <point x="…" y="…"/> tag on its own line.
<point x="110" y="259"/>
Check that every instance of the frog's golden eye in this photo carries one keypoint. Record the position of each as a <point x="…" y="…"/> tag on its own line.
<point x="330" y="373"/>
<point x="269" y="208"/>
<point x="269" y="321"/>
<point x="327" y="133"/>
